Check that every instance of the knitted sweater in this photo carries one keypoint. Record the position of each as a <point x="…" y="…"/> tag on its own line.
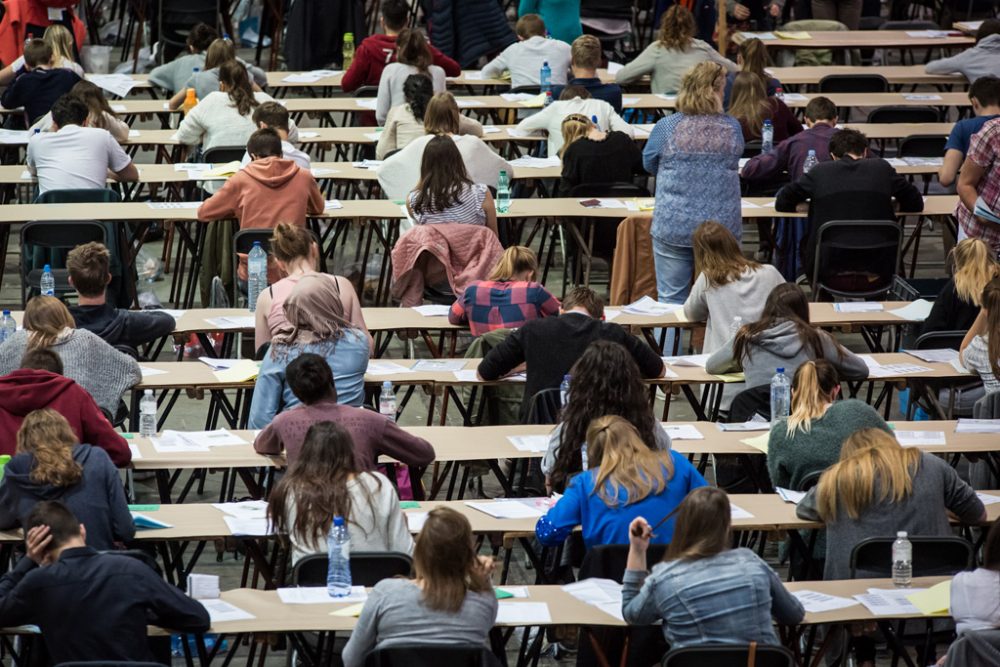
<point x="668" y="66"/>
<point x="743" y="297"/>
<point x="215" y="121"/>
<point x="99" y="368"/>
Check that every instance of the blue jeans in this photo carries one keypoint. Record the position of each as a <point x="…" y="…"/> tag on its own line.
<point x="674" y="273"/>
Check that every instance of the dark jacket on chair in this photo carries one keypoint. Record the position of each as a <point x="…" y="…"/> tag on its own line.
<point x="468" y="29"/>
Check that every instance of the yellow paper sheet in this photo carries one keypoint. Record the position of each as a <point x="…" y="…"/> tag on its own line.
<point x="227" y="169"/>
<point x="758" y="441"/>
<point x="536" y="102"/>
<point x="647" y="204"/>
<point x="242" y="371"/>
<point x="731" y="377"/>
<point x="935" y="601"/>
<point x="788" y="34"/>
<point x="349" y="610"/>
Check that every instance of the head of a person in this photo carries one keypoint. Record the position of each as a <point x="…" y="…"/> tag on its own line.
<point x="64" y="528"/>
<point x="530" y="25"/>
<point x="575" y="126"/>
<point x="69" y="110"/>
<point x="701" y="89"/>
<point x="48" y="437"/>
<point x="848" y="142"/>
<point x="293" y="245"/>
<point x="677" y="28"/>
<point x="314" y="312"/>
<point x="873" y="468"/>
<point x="264" y="143"/>
<point x="37" y="53"/>
<point x="753" y="57"/>
<point x="310" y="379"/>
<point x="717" y="254"/>
<point x="991" y="304"/>
<point x="201" y="37"/>
<point x="748" y="101"/>
<point x="89" y="269"/>
<point x="234" y="81"/>
<point x="394" y="15"/>
<point x="412" y="49"/>
<point x="516" y="263"/>
<point x="45" y="319"/>
<point x="92" y="95"/>
<point x="987" y="28"/>
<point x="317" y="481"/>
<point x="61" y="41"/>
<point x="821" y="109"/>
<point x="985" y="93"/>
<point x="418" y="89"/>
<point x="605" y="380"/>
<point x="586" y="54"/>
<point x="702" y="525"/>
<point x="441" y="114"/>
<point x="42" y="359"/>
<point x="584" y="299"/>
<point x="444" y="558"/>
<point x="572" y="92"/>
<point x="973" y="266"/>
<point x="219" y="51"/>
<point x="624" y="461"/>
<point x="442" y="176"/>
<point x="814" y="387"/>
<point x="991" y="548"/>
<point x="272" y="115"/>
<point x="785" y="303"/>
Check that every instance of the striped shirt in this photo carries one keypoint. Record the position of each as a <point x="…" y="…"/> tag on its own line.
<point x="467" y="210"/>
<point x="976" y="358"/>
<point x="487" y="305"/>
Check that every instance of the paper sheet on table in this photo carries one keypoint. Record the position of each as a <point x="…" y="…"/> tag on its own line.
<point x="529" y="443"/>
<point x="933" y="601"/>
<point x="610" y="314"/>
<point x="134" y="451"/>
<point x="142" y="521"/>
<point x="242" y="526"/>
<point x="693" y="360"/>
<point x="533" y="102"/>
<point x="921" y="97"/>
<point x="815" y="602"/>
<point x="857" y="307"/>
<point x="987" y="499"/>
<point x="790" y="496"/>
<point x="377" y="367"/>
<point x="522" y="613"/>
<point x="472" y="75"/>
<point x="219" y="437"/>
<point x="614" y="68"/>
<point x="218" y="364"/>
<point x="227" y="169"/>
<point x="927" y="34"/>
<point x="792" y="34"/>
<point x="367" y="164"/>
<point x="528" y="162"/>
<point x="746" y="203"/>
<point x="244" y="371"/>
<point x="491" y="129"/>
<point x="466" y="102"/>
<point x="795" y="97"/>
<point x="752" y="425"/>
<point x="117" y="84"/>
<point x="13" y="136"/>
<point x="367" y="103"/>
<point x="469" y="375"/>
<point x="730" y="377"/>
<point x="320" y="173"/>
<point x="319" y="595"/>
<point x="518" y="592"/>
<point x="415" y="521"/>
<point x="650" y="306"/>
<point x="683" y="432"/>
<point x="667" y="97"/>
<point x="522" y="134"/>
<point x="220" y="611"/>
<point x="629" y="101"/>
<point x="26" y="175"/>
<point x="150" y="372"/>
<point x="248" y="509"/>
<point x="920" y="438"/>
<point x="433" y="310"/>
<point x="332" y="204"/>
<point x="604" y="594"/>
<point x="944" y="356"/>
<point x="894" y="370"/>
<point x="439" y="365"/>
<point x="233" y="322"/>
<point x="977" y="425"/>
<point x="506" y="509"/>
<point x="889" y="602"/>
<point x="758" y="442"/>
<point x="173" y="204"/>
<point x="738" y="512"/>
<point x="916" y="311"/>
<point x="350" y="610"/>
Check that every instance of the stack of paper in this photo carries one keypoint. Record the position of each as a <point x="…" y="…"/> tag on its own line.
<point x="613" y="68"/>
<point x="528" y="162"/>
<point x="220" y="611"/>
<point x="150" y="372"/>
<point x="506" y="509"/>
<point x="683" y="432"/>
<point x="433" y="310"/>
<point x="789" y="496"/>
<point x="319" y="595"/>
<point x="203" y="586"/>
<point x="367" y="164"/>
<point x="332" y="204"/>
<point x="752" y="425"/>
<point x="763" y="36"/>
<point x="987" y="499"/>
<point x="243" y="370"/>
<point x="877" y="370"/>
<point x="792" y="34"/>
<point x="605" y="594"/>
<point x="310" y="77"/>
<point x="927" y="34"/>
<point x="248" y="526"/>
<point x="922" y="97"/>
<point x="977" y="425"/>
<point x="529" y="443"/>
<point x="650" y="306"/>
<point x="232" y="322"/>
<point x="523" y="613"/>
<point x="933" y="601"/>
<point x="815" y="603"/>
<point x="889" y="602"/>
<point x="466" y="102"/>
<point x="920" y="438"/>
<point x="415" y="521"/>
<point x="857" y="307"/>
<point x="944" y="356"/>
<point x="222" y="171"/>
<point x="247" y="509"/>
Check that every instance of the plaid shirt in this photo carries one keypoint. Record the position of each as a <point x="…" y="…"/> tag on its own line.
<point x="984" y="150"/>
<point x="487" y="305"/>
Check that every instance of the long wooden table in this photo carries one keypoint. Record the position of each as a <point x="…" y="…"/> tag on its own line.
<point x="863" y="39"/>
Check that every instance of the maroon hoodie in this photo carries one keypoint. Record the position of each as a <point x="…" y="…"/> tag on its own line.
<point x="26" y="390"/>
<point x="377" y="51"/>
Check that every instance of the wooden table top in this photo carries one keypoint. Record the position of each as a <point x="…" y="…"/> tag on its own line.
<point x="857" y="39"/>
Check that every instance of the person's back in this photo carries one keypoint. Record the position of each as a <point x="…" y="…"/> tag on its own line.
<point x="551" y="117"/>
<point x="400" y="172"/>
<point x="614" y="160"/>
<point x="38" y="87"/>
<point x="524" y="60"/>
<point x="175" y="75"/>
<point x="721" y="304"/>
<point x="981" y="60"/>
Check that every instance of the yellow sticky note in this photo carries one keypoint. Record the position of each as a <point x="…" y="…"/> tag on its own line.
<point x="731" y="377"/>
<point x="935" y="601"/>
<point x="227" y="169"/>
<point x="758" y="441"/>
<point x="242" y="371"/>
<point x="792" y="34"/>
<point x="349" y="610"/>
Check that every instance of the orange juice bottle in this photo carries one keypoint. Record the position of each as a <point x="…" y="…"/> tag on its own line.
<point x="189" y="101"/>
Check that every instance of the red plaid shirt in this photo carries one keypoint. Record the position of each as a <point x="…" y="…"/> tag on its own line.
<point x="487" y="305"/>
<point x="984" y="150"/>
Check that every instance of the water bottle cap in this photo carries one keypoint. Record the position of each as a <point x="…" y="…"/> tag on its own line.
<point x="46" y="269"/>
<point x="6" y="312"/>
<point x="338" y="521"/>
<point x="812" y="151"/>
<point x="901" y="533"/>
<point x="567" y="377"/>
<point x="781" y="370"/>
<point x="256" y="244"/>
<point x="593" y="119"/>
<point x="503" y="173"/>
<point x="148" y="392"/>
<point x="197" y="69"/>
<point x="386" y="384"/>
<point x="545" y="63"/>
<point x="767" y="121"/>
<point x="348" y="35"/>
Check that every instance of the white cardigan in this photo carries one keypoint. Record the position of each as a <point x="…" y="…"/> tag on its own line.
<point x="399" y="174"/>
<point x="215" y="121"/>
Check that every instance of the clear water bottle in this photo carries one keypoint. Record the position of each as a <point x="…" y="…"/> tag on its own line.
<point x="779" y="93"/>
<point x="338" y="573"/>
<point x="9" y="326"/>
<point x="811" y="161"/>
<point x="564" y="390"/>
<point x="256" y="274"/>
<point x="902" y="561"/>
<point x="735" y="326"/>
<point x="545" y="78"/>
<point x="147" y="414"/>
<point x="347" y="51"/>
<point x="767" y="137"/>
<point x="781" y="395"/>
<point x="503" y="192"/>
<point x="387" y="401"/>
<point x="47" y="286"/>
<point x="548" y="97"/>
<point x="584" y="462"/>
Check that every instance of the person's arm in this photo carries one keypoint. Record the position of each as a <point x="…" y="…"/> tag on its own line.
<point x="365" y="632"/>
<point x="8" y="509"/>
<point x="908" y="197"/>
<point x="849" y="365"/>
<point x="122" y="526"/>
<point x="13" y="96"/>
<point x="396" y="529"/>
<point x="352" y="308"/>
<point x="980" y="327"/>
<point x="449" y="65"/>
<point x="638" y="602"/>
<point x="456" y="314"/>
<point x="959" y="498"/>
<point x="643" y="64"/>
<point x="168" y="607"/>
<point x="766" y="166"/>
<point x="806" y="509"/>
<point x="118" y="128"/>
<point x="10" y="72"/>
<point x="650" y="363"/>
<point x="969" y="177"/>
<point x="549" y="305"/>
<point x="563" y="517"/>
<point x="16" y="603"/>
<point x="405" y="447"/>
<point x="503" y="358"/>
<point x="266" y="395"/>
<point x="221" y="205"/>
<point x="470" y="126"/>
<point x="793" y="194"/>
<point x="99" y="432"/>
<point x="175" y="102"/>
<point x="357" y="74"/>
<point x="383" y="101"/>
<point x="128" y="174"/>
<point x="267" y="441"/>
<point x="261" y="328"/>
<point x="387" y="137"/>
<point x="952" y="65"/>
<point x="717" y="57"/>
<point x="617" y="123"/>
<point x="315" y="204"/>
<point x="491" y="213"/>
<point x="193" y="127"/>
<point x="722" y="360"/>
<point x="942" y="315"/>
<point x="495" y="68"/>
<point x="792" y="124"/>
<point x="776" y="468"/>
<point x="654" y="146"/>
<point x="785" y="607"/>
<point x="949" y="166"/>
<point x="696" y="306"/>
<point x="537" y="121"/>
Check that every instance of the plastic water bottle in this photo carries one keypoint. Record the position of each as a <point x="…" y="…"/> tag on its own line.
<point x="902" y="561"/>
<point x="503" y="192"/>
<point x="767" y="137"/>
<point x="47" y="286"/>
<point x="548" y="97"/>
<point x="147" y="414"/>
<point x="735" y="326"/>
<point x="348" y="50"/>
<point x="781" y="395"/>
<point x="387" y="401"/>
<point x="338" y="573"/>
<point x="256" y="274"/>
<point x="564" y="390"/>
<point x="9" y="327"/>
<point x="584" y="462"/>
<point x="545" y="78"/>
<point x="779" y="93"/>
<point x="810" y="162"/>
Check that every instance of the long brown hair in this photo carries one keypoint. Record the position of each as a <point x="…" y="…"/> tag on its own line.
<point x="623" y="460"/>
<point x="749" y="103"/>
<point x="812" y="388"/>
<point x="44" y="319"/>
<point x="702" y="527"/>
<point x="786" y="302"/>
<point x="753" y="57"/>
<point x="234" y="76"/>
<point x="92" y="95"/>
<point x="316" y="482"/>
<point x="974" y="266"/>
<point x="442" y="176"/>
<point x="870" y="459"/>
<point x="48" y="437"/>
<point x="444" y="557"/>
<point x="412" y="49"/>
<point x="219" y="51"/>
<point x="677" y="28"/>
<point x="290" y="242"/>
<point x="717" y="254"/>
<point x="991" y="303"/>
<point x="441" y="114"/>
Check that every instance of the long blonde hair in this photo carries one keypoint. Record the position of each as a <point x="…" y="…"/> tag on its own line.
<point x="623" y="460"/>
<point x="869" y="459"/>
<point x="677" y="28"/>
<point x="812" y="388"/>
<point x="45" y="318"/>
<point x="47" y="436"/>
<point x="975" y="266"/>
<point x="697" y="95"/>
<point x="61" y="41"/>
<point x="717" y="254"/>
<point x="575" y="126"/>
<point x="748" y="101"/>
<point x="514" y="260"/>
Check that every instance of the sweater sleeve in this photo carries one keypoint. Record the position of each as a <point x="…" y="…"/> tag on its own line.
<point x="696" y="307"/>
<point x="122" y="526"/>
<point x="618" y="124"/>
<point x="638" y="602"/>
<point x="793" y="194"/>
<point x="8" y="511"/>
<point x="99" y="432"/>
<point x="785" y="607"/>
<point x="943" y="312"/>
<point x="643" y="64"/>
<point x="722" y="360"/>
<point x="192" y="129"/>
<point x="959" y="498"/>
<point x="449" y="65"/>
<point x="267" y="441"/>
<point x="387" y="137"/>
<point x="776" y="469"/>
<point x="650" y="363"/>
<point x="495" y="68"/>
<point x="952" y="65"/>
<point x="849" y="365"/>
<point x="315" y="204"/>
<point x="470" y="126"/>
<point x="503" y="358"/>
<point x="404" y="447"/>
<point x="168" y="606"/>
<point x="563" y="517"/>
<point x="907" y="196"/>
<point x="384" y="98"/>
<point x="397" y="532"/>
<point x="365" y="633"/>
<point x="221" y="205"/>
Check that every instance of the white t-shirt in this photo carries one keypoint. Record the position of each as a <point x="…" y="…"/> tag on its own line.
<point x="74" y="157"/>
<point x="289" y="152"/>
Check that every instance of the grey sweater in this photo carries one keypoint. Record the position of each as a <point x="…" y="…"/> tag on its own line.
<point x="781" y="347"/>
<point x="717" y="306"/>
<point x="394" y="614"/>
<point x="668" y="66"/>
<point x="981" y="60"/>
<point x="102" y="370"/>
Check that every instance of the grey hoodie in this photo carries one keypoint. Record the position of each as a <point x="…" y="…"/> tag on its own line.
<point x="980" y="60"/>
<point x="781" y="347"/>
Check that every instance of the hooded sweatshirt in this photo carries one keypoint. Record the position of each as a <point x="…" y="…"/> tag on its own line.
<point x="377" y="51"/>
<point x="782" y="347"/>
<point x="981" y="60"/>
<point x="97" y="500"/>
<point x="975" y="600"/>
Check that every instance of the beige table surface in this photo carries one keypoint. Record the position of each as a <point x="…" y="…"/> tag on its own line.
<point x="853" y="39"/>
<point x="894" y="74"/>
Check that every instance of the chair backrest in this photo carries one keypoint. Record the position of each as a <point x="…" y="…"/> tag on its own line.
<point x="909" y="25"/>
<point x="531" y="89"/>
<point x="78" y="196"/>
<point x="366" y="91"/>
<point x="810" y="480"/>
<point x="750" y="402"/>
<point x="607" y="561"/>
<point x="367" y="568"/>
<point x="729" y="656"/>
<point x="544" y="407"/>
<point x="937" y="340"/>
<point x="868" y="249"/>
<point x="223" y="154"/>
<point x="608" y="190"/>
<point x="932" y="556"/>
<point x="903" y="114"/>
<point x="987" y="407"/>
<point x="921" y="145"/>
<point x="853" y="83"/>
<point x="244" y="239"/>
<point x="432" y="655"/>
<point x="65" y="234"/>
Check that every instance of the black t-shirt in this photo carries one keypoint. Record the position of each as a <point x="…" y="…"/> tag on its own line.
<point x="613" y="160"/>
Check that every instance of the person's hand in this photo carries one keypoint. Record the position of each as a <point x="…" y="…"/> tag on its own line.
<point x="639" y="533"/>
<point x="774" y="10"/>
<point x="487" y="565"/>
<point x="741" y="12"/>
<point x="37" y="542"/>
<point x="802" y="207"/>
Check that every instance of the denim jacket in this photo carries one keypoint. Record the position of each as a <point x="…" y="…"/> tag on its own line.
<point x="728" y="598"/>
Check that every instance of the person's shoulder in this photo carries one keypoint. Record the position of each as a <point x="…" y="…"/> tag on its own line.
<point x="851" y="406"/>
<point x="395" y="586"/>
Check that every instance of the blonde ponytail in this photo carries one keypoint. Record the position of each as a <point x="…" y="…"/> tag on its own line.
<point x="814" y="382"/>
<point x="974" y="267"/>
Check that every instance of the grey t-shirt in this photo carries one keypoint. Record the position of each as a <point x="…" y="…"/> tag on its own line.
<point x="549" y="460"/>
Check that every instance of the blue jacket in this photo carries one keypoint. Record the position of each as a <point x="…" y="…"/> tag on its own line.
<point x="562" y="17"/>
<point x="581" y="506"/>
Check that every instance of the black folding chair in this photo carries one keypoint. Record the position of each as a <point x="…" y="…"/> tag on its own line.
<point x="852" y="83"/>
<point x="856" y="259"/>
<point x="50" y="236"/>
<point x="432" y="655"/>
<point x="367" y="568"/>
<point x="728" y="656"/>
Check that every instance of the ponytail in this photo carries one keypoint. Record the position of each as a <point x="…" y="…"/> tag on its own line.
<point x="753" y="53"/>
<point x="574" y="127"/>
<point x="811" y="388"/>
<point x="238" y="87"/>
<point x="412" y="49"/>
<point x="515" y="259"/>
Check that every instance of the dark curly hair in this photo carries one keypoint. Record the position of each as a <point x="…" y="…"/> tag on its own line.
<point x="605" y="381"/>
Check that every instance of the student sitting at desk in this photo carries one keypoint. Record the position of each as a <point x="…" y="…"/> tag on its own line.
<point x="325" y="480"/>
<point x="450" y="603"/>
<point x="572" y="100"/>
<point x="623" y="479"/>
<point x="586" y="55"/>
<point x="51" y="465"/>
<point x="592" y="156"/>
<point x="109" y="598"/>
<point x="317" y="324"/>
<point x="704" y="591"/>
<point x="980" y="348"/>
<point x="413" y="56"/>
<point x="409" y="121"/>
<point x="751" y="106"/>
<point x="311" y="381"/>
<point x="790" y="154"/>
<point x="979" y="182"/>
<point x="63" y="53"/>
<point x="101" y="114"/>
<point x="984" y="94"/>
<point x="957" y="305"/>
<point x="525" y="57"/>
<point x="751" y="57"/>
<point x="173" y="76"/>
<point x="206" y="81"/>
<point x="275" y="116"/>
<point x="981" y="60"/>
<point x="975" y="594"/>
<point x="39" y="84"/>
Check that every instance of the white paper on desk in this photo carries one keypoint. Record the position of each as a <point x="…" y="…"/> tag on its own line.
<point x="319" y="595"/>
<point x="168" y="444"/>
<point x="439" y="365"/>
<point x="367" y="164"/>
<point x="248" y="509"/>
<point x="857" y="307"/>
<point x="944" y="356"/>
<point x="320" y="173"/>
<point x="252" y="527"/>
<point x="218" y="364"/>
<point x="883" y="602"/>
<point x="220" y="437"/>
<point x="610" y="314"/>
<point x="466" y="102"/>
<point x="529" y="443"/>
<point x="959" y="368"/>
<point x="367" y="103"/>
<point x="987" y="499"/>
<point x="927" y="34"/>
<point x="762" y="35"/>
<point x="650" y="306"/>
<point x="977" y="425"/>
<point x="921" y="97"/>
<point x="13" y="136"/>
<point x="173" y="204"/>
<point x="132" y="134"/>
<point x="816" y="603"/>
<point x="517" y="97"/>
<point x="517" y="592"/>
<point x="914" y="161"/>
<point x="506" y="509"/>
<point x="629" y="101"/>
<point x="134" y="451"/>
<point x="522" y="613"/>
<point x="690" y="360"/>
<point x="26" y="175"/>
<point x="683" y="432"/>
<point x="472" y="75"/>
<point x="613" y="67"/>
<point x="302" y="77"/>
<point x="746" y="203"/>
<point x="308" y="135"/>
<point x="192" y="166"/>
<point x="121" y="108"/>
<point x="433" y="310"/>
<point x="372" y="136"/>
<point x="668" y="98"/>
<point x="916" y="311"/>
<point x="790" y="496"/>
<point x="528" y="162"/>
<point x="378" y="367"/>
<point x="521" y="134"/>
<point x="747" y="426"/>
<point x="893" y="370"/>
<point x="203" y="586"/>
<point x="738" y="512"/>
<point x="220" y="611"/>
<point x="895" y="161"/>
<point x="231" y="322"/>
<point x="117" y="84"/>
<point x="415" y="521"/>
<point x="920" y="438"/>
<point x="595" y="590"/>
<point x="332" y="204"/>
<point x="150" y="372"/>
<point x="176" y="314"/>
<point x="490" y="129"/>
